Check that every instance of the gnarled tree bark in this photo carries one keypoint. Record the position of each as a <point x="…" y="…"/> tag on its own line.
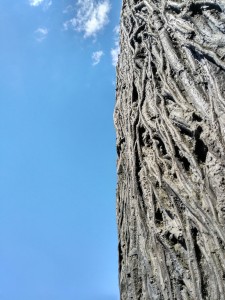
<point x="170" y="123"/>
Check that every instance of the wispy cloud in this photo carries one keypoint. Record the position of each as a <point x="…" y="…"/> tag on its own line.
<point x="68" y="9"/>
<point x="96" y="57"/>
<point x="41" y="34"/>
<point x="116" y="50"/>
<point x="90" y="18"/>
<point x="46" y="3"/>
<point x="115" y="53"/>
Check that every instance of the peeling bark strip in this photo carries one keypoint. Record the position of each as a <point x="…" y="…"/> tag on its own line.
<point x="170" y="123"/>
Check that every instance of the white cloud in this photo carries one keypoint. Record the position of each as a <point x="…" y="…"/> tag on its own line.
<point x="41" y="34"/>
<point x="35" y="2"/>
<point x="90" y="18"/>
<point x="116" y="50"/>
<point x="45" y="3"/>
<point x="115" y="53"/>
<point x="96" y="57"/>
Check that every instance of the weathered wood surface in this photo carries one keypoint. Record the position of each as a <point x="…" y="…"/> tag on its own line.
<point x="170" y="123"/>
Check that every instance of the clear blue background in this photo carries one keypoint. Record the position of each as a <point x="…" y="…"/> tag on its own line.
<point x="58" y="236"/>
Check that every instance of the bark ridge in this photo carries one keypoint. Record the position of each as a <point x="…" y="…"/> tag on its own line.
<point x="170" y="123"/>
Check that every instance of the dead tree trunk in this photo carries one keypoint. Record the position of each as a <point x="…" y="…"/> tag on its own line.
<point x="170" y="123"/>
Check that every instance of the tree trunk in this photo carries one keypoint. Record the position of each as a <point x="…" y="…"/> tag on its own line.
<point x="170" y="123"/>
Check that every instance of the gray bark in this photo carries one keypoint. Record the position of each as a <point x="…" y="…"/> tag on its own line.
<point x="170" y="123"/>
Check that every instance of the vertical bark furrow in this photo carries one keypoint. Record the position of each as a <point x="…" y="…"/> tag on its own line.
<point x="170" y="123"/>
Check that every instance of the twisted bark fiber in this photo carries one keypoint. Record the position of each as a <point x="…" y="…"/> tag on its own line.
<point x="170" y="123"/>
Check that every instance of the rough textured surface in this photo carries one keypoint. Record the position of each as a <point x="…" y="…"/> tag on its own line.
<point x="170" y="123"/>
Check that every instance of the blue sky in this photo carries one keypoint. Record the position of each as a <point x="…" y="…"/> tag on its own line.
<point x="58" y="236"/>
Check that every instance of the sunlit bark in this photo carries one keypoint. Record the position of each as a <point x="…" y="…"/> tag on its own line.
<point x="170" y="123"/>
